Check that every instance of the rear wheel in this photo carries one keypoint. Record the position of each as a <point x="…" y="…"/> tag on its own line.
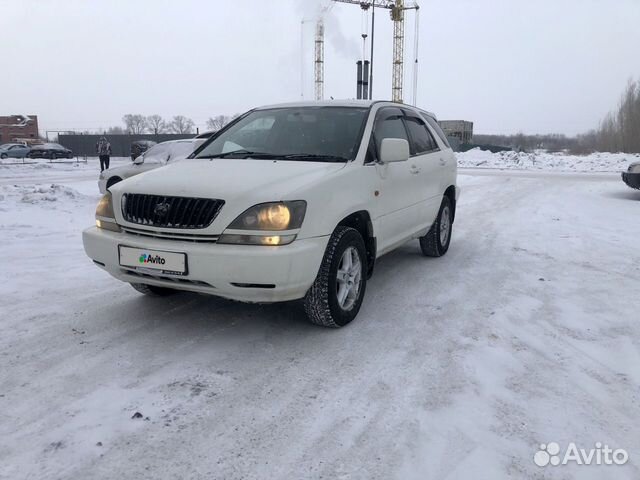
<point x="335" y="297"/>
<point x="152" y="290"/>
<point x="436" y="242"/>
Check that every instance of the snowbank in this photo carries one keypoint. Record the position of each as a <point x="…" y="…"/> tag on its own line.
<point x="540" y="160"/>
<point x="39" y="194"/>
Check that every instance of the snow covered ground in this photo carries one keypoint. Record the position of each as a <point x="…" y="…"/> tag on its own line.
<point x="526" y="332"/>
<point x="540" y="160"/>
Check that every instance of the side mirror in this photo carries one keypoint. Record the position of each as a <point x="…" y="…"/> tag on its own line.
<point x="139" y="160"/>
<point x="394" y="150"/>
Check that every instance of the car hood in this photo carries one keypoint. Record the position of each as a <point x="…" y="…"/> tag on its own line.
<point x="122" y="170"/>
<point x="245" y="180"/>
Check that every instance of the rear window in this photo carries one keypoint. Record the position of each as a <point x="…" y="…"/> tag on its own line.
<point x="422" y="140"/>
<point x="433" y="124"/>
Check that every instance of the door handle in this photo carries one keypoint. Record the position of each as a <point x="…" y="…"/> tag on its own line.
<point x="414" y="169"/>
<point x="443" y="162"/>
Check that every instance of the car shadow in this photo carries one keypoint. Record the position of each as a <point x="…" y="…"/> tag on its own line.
<point x="187" y="316"/>
<point x="629" y="194"/>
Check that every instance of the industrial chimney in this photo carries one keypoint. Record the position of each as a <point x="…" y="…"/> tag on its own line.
<point x="360" y="82"/>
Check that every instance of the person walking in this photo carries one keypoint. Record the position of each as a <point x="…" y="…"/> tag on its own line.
<point x="103" y="149"/>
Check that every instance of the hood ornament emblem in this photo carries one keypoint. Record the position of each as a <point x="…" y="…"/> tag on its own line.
<point x="161" y="209"/>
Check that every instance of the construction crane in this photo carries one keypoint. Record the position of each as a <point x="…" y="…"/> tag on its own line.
<point x="397" y="9"/>
<point x="319" y="52"/>
<point x="319" y="60"/>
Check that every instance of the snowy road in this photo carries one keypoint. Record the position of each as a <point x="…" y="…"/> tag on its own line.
<point x="527" y="332"/>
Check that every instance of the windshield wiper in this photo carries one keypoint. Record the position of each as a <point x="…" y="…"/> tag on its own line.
<point x="243" y="154"/>
<point x="314" y="157"/>
<point x="275" y="156"/>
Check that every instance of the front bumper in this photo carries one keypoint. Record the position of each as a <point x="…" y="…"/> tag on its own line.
<point x="631" y="179"/>
<point x="218" y="269"/>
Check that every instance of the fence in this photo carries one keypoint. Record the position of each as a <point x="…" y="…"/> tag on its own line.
<point x="85" y="145"/>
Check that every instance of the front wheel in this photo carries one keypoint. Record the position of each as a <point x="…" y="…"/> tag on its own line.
<point x="335" y="297"/>
<point x="436" y="242"/>
<point x="152" y="290"/>
<point x="3" y="156"/>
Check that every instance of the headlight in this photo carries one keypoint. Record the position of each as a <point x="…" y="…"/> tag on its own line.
<point x="266" y="217"/>
<point x="274" y="217"/>
<point x="634" y="168"/>
<point x="105" y="218"/>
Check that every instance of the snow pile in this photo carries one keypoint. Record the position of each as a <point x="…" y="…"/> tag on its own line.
<point x="39" y="194"/>
<point x="541" y="160"/>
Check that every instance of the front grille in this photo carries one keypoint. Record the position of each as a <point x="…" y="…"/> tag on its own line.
<point x="170" y="212"/>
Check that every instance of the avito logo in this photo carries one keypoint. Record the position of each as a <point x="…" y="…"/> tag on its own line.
<point x="147" y="258"/>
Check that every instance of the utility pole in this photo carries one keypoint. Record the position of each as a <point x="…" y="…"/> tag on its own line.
<point x="373" y="30"/>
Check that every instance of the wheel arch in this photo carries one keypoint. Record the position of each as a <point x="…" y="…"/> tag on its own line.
<point x="112" y="181"/>
<point x="450" y="192"/>
<point x="361" y="221"/>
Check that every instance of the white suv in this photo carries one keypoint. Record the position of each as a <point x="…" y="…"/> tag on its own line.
<point x="287" y="202"/>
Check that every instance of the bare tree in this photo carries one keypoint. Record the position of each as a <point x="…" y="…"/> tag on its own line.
<point x="218" y="122"/>
<point x="156" y="124"/>
<point x="619" y="131"/>
<point x="115" y="131"/>
<point x="135" y="124"/>
<point x="181" y="124"/>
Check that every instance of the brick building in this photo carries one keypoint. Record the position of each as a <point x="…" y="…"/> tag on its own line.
<point x="15" y="128"/>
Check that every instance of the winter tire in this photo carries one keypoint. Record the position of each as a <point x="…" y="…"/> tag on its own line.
<point x="152" y="290"/>
<point x="3" y="156"/>
<point x="436" y="242"/>
<point x="335" y="297"/>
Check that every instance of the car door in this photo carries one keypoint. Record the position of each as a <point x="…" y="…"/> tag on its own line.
<point x="425" y="164"/>
<point x="23" y="151"/>
<point x="398" y="196"/>
<point x="13" y="151"/>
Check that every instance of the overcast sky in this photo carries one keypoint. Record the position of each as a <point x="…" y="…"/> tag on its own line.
<point x="508" y="65"/>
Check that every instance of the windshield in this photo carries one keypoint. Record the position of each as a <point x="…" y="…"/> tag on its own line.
<point x="295" y="133"/>
<point x="163" y="152"/>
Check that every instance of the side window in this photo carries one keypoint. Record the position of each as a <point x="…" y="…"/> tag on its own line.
<point x="421" y="139"/>
<point x="390" y="126"/>
<point x="433" y="124"/>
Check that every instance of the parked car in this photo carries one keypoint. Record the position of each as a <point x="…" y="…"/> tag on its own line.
<point x="50" y="151"/>
<point x="290" y="202"/>
<point x="14" y="150"/>
<point x="157" y="156"/>
<point x="139" y="147"/>
<point x="206" y="135"/>
<point x="632" y="176"/>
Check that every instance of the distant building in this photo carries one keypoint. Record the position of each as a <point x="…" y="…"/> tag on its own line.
<point x="18" y="128"/>
<point x="458" y="129"/>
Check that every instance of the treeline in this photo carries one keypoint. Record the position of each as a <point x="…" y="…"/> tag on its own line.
<point x="520" y="141"/>
<point x="136" y="124"/>
<point x="620" y="129"/>
<point x="618" y="132"/>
